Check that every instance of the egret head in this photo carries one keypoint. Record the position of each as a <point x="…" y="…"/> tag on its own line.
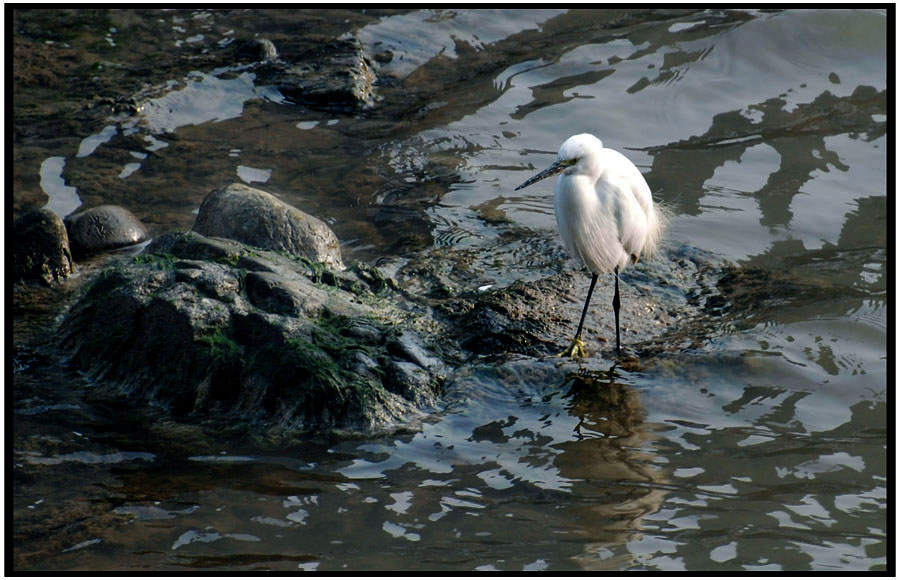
<point x="573" y="150"/>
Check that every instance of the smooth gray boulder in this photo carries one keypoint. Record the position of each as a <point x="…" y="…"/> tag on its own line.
<point x="252" y="216"/>
<point x="103" y="228"/>
<point x="41" y="250"/>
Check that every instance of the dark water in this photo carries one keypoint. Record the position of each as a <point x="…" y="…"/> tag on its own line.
<point x="763" y="449"/>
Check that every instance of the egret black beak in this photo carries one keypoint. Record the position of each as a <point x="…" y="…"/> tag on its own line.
<point x="557" y="167"/>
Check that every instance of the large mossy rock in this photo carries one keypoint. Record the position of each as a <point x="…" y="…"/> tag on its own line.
<point x="255" y="217"/>
<point x="211" y="329"/>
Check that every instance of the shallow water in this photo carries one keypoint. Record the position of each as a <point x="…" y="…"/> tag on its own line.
<point x="765" y="448"/>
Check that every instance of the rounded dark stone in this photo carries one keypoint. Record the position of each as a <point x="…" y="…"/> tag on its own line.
<point x="255" y="50"/>
<point x="384" y="57"/>
<point x="103" y="228"/>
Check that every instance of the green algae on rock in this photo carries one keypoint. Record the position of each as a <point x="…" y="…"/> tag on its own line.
<point x="192" y="338"/>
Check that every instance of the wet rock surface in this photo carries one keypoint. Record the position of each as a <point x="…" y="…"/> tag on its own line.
<point x="660" y="311"/>
<point x="524" y="318"/>
<point x="41" y="252"/>
<point x="103" y="228"/>
<point x="258" y="218"/>
<point x="218" y="331"/>
<point x="242" y="339"/>
<point x="333" y="74"/>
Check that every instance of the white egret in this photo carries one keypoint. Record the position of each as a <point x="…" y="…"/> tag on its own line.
<point x="605" y="214"/>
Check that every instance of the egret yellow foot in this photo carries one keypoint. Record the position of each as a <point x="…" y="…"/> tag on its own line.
<point x="575" y="350"/>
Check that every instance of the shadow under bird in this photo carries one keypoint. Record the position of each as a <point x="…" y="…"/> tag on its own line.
<point x="605" y="213"/>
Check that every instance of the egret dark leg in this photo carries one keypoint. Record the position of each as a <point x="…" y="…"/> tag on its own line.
<point x="576" y="349"/>
<point x="586" y="303"/>
<point x="616" y="310"/>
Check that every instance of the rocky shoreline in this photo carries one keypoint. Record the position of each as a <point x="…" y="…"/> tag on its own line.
<point x="262" y="328"/>
<point x="251" y="321"/>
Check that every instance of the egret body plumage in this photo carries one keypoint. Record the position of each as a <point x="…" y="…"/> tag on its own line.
<point x="605" y="214"/>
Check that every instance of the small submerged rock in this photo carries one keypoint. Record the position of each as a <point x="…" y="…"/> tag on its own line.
<point x="41" y="250"/>
<point x="103" y="228"/>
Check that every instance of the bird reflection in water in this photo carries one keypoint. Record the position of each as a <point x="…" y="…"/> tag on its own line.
<point x="603" y="406"/>
<point x="612" y="455"/>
